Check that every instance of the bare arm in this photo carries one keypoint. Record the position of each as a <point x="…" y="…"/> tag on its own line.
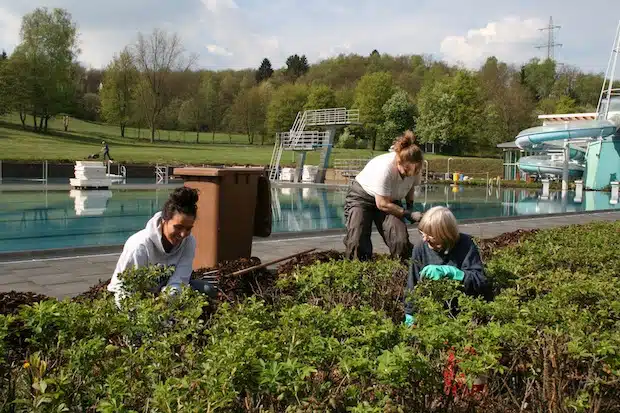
<point x="385" y="204"/>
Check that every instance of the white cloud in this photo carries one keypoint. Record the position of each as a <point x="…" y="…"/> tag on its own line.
<point x="99" y="46"/>
<point x="219" y="5"/>
<point x="510" y="39"/>
<point x="343" y="48"/>
<point x="239" y="34"/>
<point x="218" y="50"/>
<point x="10" y="25"/>
<point x="232" y="39"/>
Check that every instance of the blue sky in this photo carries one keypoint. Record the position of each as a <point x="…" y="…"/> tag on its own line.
<point x="240" y="33"/>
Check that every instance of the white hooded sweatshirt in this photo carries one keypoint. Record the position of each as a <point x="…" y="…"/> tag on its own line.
<point x="145" y="248"/>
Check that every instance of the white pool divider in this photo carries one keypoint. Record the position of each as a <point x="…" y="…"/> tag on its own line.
<point x="614" y="193"/>
<point x="545" y="191"/>
<point x="578" y="191"/>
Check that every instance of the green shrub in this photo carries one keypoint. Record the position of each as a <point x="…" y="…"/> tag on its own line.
<point x="331" y="338"/>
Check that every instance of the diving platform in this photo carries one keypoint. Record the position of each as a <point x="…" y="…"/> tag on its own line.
<point x="301" y="141"/>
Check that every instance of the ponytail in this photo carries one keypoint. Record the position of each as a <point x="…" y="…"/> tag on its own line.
<point x="407" y="149"/>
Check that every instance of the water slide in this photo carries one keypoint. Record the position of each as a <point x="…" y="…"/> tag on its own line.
<point x="550" y="138"/>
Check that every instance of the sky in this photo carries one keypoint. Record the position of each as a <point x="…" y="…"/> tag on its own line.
<point x="238" y="34"/>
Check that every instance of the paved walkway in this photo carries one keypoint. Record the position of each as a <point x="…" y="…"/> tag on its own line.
<point x="68" y="276"/>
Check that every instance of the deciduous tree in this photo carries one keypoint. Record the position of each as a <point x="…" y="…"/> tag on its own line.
<point x="119" y="91"/>
<point x="451" y="113"/>
<point x="320" y="97"/>
<point x="156" y="57"/>
<point x="371" y="93"/>
<point x="46" y="61"/>
<point x="400" y="115"/>
<point x="286" y="102"/>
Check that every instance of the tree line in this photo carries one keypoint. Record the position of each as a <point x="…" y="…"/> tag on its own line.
<point x="153" y="83"/>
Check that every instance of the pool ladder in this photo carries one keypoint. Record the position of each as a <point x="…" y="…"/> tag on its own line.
<point x="161" y="174"/>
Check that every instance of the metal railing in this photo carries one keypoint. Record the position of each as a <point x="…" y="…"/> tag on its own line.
<point x="43" y="179"/>
<point x="298" y="126"/>
<point x="305" y="140"/>
<point x="120" y="169"/>
<point x="299" y="139"/>
<point x="161" y="174"/>
<point x="332" y="116"/>
<point x="120" y="175"/>
<point x="349" y="168"/>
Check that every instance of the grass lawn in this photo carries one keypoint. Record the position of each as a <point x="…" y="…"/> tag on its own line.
<point x="173" y="147"/>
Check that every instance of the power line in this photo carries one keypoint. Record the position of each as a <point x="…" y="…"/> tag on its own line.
<point x="551" y="44"/>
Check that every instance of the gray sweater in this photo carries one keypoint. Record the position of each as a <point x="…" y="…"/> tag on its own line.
<point x="464" y="256"/>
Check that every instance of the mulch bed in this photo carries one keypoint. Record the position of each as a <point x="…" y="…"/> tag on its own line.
<point x="235" y="287"/>
<point x="93" y="293"/>
<point x="488" y="246"/>
<point x="309" y="259"/>
<point x="11" y="302"/>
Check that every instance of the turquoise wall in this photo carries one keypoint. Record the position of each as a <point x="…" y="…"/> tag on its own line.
<point x="603" y="163"/>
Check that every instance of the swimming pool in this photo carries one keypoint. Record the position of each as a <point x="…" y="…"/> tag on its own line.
<point x="37" y="220"/>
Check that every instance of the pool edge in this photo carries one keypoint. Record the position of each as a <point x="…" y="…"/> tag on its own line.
<point x="116" y="249"/>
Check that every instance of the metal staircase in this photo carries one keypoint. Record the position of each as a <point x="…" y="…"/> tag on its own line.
<point x="609" y="100"/>
<point x="300" y="140"/>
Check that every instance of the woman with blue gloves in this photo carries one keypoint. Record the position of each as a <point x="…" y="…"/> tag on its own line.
<point x="445" y="253"/>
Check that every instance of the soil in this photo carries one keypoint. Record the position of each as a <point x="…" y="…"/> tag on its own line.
<point x="488" y="246"/>
<point x="309" y="259"/>
<point x="235" y="287"/>
<point x="95" y="292"/>
<point x="11" y="302"/>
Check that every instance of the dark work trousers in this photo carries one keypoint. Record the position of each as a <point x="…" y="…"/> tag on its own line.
<point x="360" y="211"/>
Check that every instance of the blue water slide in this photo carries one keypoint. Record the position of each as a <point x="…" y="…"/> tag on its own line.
<point x="576" y="129"/>
<point x="544" y="138"/>
<point x="546" y="165"/>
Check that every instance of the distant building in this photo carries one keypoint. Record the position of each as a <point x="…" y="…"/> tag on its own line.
<point x="512" y="154"/>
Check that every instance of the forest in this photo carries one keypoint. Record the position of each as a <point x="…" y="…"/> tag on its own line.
<point x="154" y="83"/>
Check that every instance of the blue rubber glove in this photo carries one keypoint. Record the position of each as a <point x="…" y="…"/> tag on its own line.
<point x="453" y="273"/>
<point x="409" y="320"/>
<point x="437" y="272"/>
<point x="432" y="272"/>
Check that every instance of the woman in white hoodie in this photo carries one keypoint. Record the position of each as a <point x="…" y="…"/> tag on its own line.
<point x="166" y="240"/>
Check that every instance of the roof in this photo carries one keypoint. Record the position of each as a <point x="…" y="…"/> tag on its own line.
<point x="562" y="117"/>
<point x="508" y="145"/>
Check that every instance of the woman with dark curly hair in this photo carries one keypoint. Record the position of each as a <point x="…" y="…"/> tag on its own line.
<point x="166" y="240"/>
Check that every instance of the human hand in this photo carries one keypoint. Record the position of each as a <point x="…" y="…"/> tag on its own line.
<point x="416" y="216"/>
<point x="437" y="272"/>
<point x="433" y="272"/>
<point x="413" y="216"/>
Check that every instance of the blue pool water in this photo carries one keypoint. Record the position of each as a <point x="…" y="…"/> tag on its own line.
<point x="35" y="220"/>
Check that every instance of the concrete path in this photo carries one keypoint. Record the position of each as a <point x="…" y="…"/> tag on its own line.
<point x="61" y="276"/>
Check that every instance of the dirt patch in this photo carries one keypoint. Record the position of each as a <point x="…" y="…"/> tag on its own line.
<point x="488" y="246"/>
<point x="235" y="287"/>
<point x="11" y="302"/>
<point x="94" y="293"/>
<point x="309" y="259"/>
